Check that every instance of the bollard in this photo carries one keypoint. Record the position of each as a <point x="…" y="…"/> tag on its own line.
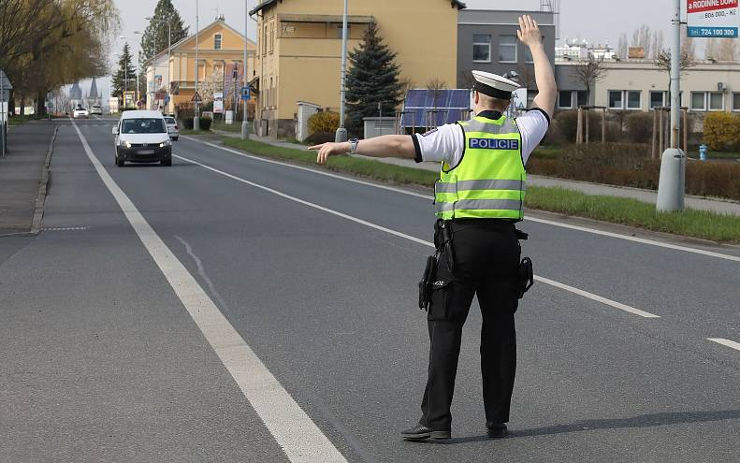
<point x="671" y="182"/>
<point x="703" y="152"/>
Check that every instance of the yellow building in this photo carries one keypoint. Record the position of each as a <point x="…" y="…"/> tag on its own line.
<point x="220" y="52"/>
<point x="300" y="43"/>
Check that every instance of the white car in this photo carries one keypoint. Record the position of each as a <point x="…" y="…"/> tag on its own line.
<point x="80" y="112"/>
<point x="141" y="136"/>
<point x="96" y="109"/>
<point x="172" y="127"/>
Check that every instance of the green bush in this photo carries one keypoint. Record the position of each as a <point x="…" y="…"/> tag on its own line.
<point x="639" y="127"/>
<point x="187" y="123"/>
<point x="325" y="121"/>
<point x="722" y="131"/>
<point x="318" y="138"/>
<point x="205" y="123"/>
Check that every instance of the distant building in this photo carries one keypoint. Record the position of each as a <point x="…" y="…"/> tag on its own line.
<point x="171" y="78"/>
<point x="75" y="95"/>
<point x="487" y="41"/>
<point x="93" y="97"/>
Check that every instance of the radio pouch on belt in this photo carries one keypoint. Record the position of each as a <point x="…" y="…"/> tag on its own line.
<point x="526" y="276"/>
<point x="425" y="285"/>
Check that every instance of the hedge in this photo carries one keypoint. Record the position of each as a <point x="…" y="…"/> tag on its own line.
<point x="722" y="131"/>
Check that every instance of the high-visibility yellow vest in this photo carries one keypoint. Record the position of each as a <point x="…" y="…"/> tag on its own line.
<point x="490" y="179"/>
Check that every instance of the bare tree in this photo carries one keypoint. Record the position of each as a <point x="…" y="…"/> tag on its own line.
<point x="641" y="38"/>
<point x="721" y="49"/>
<point x="622" y="47"/>
<point x="663" y="61"/>
<point x="589" y="71"/>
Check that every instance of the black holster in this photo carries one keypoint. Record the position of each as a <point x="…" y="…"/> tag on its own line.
<point x="427" y="280"/>
<point x="526" y="271"/>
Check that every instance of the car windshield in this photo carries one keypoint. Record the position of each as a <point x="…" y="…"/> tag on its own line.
<point x="170" y="120"/>
<point x="143" y="125"/>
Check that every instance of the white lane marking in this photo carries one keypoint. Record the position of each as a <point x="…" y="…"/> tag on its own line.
<point x="726" y="342"/>
<point x="580" y="292"/>
<point x="603" y="300"/>
<point x="292" y="428"/>
<point x="308" y="169"/>
<point x="594" y="231"/>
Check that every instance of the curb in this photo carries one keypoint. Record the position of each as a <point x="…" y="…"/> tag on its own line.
<point x="38" y="213"/>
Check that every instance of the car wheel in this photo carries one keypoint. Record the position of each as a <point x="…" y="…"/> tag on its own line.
<point x="120" y="162"/>
<point x="176" y="138"/>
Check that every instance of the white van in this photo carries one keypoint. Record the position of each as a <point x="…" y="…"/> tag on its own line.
<point x="141" y="136"/>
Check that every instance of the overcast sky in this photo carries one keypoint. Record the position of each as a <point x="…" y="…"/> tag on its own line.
<point x="596" y="21"/>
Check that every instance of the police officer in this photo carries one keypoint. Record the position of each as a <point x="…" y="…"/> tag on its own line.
<point x="479" y="197"/>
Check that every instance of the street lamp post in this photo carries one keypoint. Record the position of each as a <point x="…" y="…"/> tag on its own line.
<point x="671" y="183"/>
<point x="341" y="134"/>
<point x="169" y="51"/>
<point x="245" y="122"/>
<point x="196" y="120"/>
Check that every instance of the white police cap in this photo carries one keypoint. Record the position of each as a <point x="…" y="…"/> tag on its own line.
<point x="493" y="85"/>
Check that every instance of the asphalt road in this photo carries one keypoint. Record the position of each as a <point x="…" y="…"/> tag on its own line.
<point x="232" y="309"/>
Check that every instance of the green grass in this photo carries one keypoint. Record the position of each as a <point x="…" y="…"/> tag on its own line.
<point x="715" y="155"/>
<point x="698" y="224"/>
<point x="548" y="152"/>
<point x="220" y="125"/>
<point x="195" y="132"/>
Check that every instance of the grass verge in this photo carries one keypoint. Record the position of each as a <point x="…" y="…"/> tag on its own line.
<point x="694" y="223"/>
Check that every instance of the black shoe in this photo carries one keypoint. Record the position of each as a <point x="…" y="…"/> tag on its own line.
<point x="421" y="432"/>
<point x="497" y="431"/>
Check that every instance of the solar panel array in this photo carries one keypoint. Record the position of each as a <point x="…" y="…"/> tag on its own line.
<point x="430" y="108"/>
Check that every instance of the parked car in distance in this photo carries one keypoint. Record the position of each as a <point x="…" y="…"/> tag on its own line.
<point x="96" y="109"/>
<point x="80" y="112"/>
<point x="172" y="128"/>
<point x="141" y="136"/>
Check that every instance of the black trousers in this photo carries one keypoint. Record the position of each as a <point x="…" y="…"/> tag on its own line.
<point x="487" y="254"/>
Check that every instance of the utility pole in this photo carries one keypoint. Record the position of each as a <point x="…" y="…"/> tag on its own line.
<point x="196" y="118"/>
<point x="341" y="134"/>
<point x="673" y="162"/>
<point x="245" y="122"/>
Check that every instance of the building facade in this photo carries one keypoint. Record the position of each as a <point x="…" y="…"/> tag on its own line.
<point x="300" y="42"/>
<point x="171" y="74"/>
<point x="487" y="41"/>
<point x="640" y="85"/>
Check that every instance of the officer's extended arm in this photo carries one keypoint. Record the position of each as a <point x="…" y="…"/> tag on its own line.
<point x="529" y="34"/>
<point x="386" y="146"/>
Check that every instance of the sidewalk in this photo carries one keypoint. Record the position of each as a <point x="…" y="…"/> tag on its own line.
<point x="21" y="173"/>
<point x="648" y="196"/>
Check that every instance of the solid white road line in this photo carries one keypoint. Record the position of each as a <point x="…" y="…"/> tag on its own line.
<point x="726" y="342"/>
<point x="580" y="292"/>
<point x="594" y="231"/>
<point x="292" y="428"/>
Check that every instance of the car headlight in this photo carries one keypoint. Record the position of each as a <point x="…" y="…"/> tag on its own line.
<point x="165" y="143"/>
<point x="127" y="144"/>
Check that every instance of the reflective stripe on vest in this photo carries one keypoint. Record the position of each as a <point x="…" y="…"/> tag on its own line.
<point x="490" y="180"/>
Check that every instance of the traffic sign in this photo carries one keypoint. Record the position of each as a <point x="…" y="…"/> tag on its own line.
<point x="246" y="93"/>
<point x="713" y="18"/>
<point x="196" y="98"/>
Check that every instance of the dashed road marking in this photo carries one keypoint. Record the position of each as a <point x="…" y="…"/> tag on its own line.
<point x="726" y="342"/>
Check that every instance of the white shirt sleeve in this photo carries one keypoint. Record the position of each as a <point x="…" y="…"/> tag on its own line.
<point x="532" y="126"/>
<point x="444" y="143"/>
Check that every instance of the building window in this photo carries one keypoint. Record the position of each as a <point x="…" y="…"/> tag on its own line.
<point x="615" y="99"/>
<point x="528" y="55"/>
<point x="716" y="101"/>
<point x="736" y="101"/>
<point x="657" y="99"/>
<point x="698" y="101"/>
<point x="481" y="48"/>
<point x="582" y="98"/>
<point x="339" y="30"/>
<point x="507" y="49"/>
<point x="217" y="39"/>
<point x="633" y="99"/>
<point x="565" y="99"/>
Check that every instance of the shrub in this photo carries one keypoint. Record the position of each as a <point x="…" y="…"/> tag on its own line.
<point x="722" y="131"/>
<point x="318" y="138"/>
<point x="639" y="127"/>
<point x="325" y="121"/>
<point x="187" y="123"/>
<point x="567" y="123"/>
<point x="205" y="123"/>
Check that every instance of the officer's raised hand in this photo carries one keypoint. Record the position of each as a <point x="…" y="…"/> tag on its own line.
<point x="530" y="35"/>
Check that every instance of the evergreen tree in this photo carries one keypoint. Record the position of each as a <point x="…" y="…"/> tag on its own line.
<point x="125" y="71"/>
<point x="372" y="79"/>
<point x="155" y="37"/>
